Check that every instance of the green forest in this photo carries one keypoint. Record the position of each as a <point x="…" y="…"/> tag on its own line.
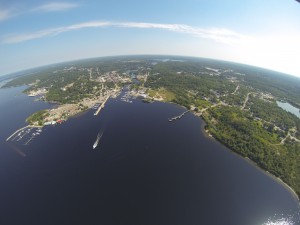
<point x="37" y="116"/>
<point x="254" y="131"/>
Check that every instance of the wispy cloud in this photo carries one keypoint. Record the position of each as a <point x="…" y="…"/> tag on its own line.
<point x="5" y="14"/>
<point x="216" y="34"/>
<point x="17" y="38"/>
<point x="56" y="6"/>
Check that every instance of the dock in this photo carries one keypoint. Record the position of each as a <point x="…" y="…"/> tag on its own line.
<point x="178" y="117"/>
<point x="101" y="106"/>
<point x="23" y="128"/>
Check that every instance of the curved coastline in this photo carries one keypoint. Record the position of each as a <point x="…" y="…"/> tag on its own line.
<point x="206" y="133"/>
<point x="275" y="178"/>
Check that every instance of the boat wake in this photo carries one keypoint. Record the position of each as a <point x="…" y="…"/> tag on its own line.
<point x="99" y="136"/>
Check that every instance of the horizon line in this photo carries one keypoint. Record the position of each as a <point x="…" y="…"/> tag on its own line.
<point x="139" y="55"/>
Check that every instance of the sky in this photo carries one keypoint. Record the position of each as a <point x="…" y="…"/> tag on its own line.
<point x="255" y="32"/>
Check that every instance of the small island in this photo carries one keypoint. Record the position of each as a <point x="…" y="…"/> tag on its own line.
<point x="237" y="102"/>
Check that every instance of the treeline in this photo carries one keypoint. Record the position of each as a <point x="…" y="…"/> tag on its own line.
<point x="189" y="89"/>
<point x="238" y="131"/>
<point x="269" y="111"/>
<point x="242" y="131"/>
<point x="29" y="79"/>
<point x="238" y="98"/>
<point x="107" y="64"/>
<point x="80" y="89"/>
<point x="280" y="85"/>
<point x="37" y="117"/>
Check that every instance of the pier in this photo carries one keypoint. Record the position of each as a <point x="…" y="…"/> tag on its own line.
<point x="23" y="128"/>
<point x="178" y="117"/>
<point x="101" y="106"/>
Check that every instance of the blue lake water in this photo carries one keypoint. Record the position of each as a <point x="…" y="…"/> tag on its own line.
<point x="145" y="170"/>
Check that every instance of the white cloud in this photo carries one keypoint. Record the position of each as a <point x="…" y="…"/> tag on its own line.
<point x="216" y="34"/>
<point x="49" y="7"/>
<point x="55" y="6"/>
<point x="10" y="39"/>
<point x="5" y="14"/>
<point x="276" y="52"/>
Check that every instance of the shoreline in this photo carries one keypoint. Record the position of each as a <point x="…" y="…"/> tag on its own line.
<point x="276" y="179"/>
<point x="207" y="134"/>
<point x="65" y="111"/>
<point x="59" y="106"/>
<point x="251" y="162"/>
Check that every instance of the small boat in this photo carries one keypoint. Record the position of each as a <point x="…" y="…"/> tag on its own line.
<point x="97" y="139"/>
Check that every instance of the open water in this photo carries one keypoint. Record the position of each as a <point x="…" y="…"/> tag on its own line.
<point x="145" y="170"/>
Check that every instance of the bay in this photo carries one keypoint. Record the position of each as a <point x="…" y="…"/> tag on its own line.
<point x="145" y="170"/>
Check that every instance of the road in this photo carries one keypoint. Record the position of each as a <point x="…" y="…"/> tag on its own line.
<point x="237" y="88"/>
<point x="245" y="102"/>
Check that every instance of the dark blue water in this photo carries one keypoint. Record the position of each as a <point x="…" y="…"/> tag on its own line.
<point x="145" y="170"/>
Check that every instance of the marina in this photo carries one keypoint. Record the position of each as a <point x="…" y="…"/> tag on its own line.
<point x="25" y="134"/>
<point x="126" y="97"/>
<point x="22" y="132"/>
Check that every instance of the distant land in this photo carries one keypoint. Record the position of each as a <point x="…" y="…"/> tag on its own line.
<point x="239" y="103"/>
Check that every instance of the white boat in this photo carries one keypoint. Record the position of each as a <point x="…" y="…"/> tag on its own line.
<point x="97" y="139"/>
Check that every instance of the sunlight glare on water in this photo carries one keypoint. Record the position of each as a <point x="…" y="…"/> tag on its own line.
<point x="286" y="220"/>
